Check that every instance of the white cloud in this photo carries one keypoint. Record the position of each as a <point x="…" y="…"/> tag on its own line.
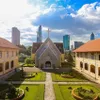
<point x="21" y="13"/>
<point x="90" y="11"/>
<point x="79" y="24"/>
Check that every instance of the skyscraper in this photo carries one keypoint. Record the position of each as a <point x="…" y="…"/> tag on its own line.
<point x="92" y="37"/>
<point x="15" y="36"/>
<point x="39" y="34"/>
<point x="66" y="42"/>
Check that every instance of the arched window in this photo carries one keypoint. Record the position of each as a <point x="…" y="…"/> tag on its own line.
<point x="81" y="65"/>
<point x="12" y="64"/>
<point x="1" y="67"/>
<point x="0" y="54"/>
<point x="92" y="68"/>
<point x="86" y="66"/>
<point x="99" y="71"/>
<point x="7" y="66"/>
<point x="86" y="55"/>
<point x="92" y="56"/>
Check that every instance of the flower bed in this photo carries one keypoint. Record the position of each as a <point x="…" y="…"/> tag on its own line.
<point x="84" y="94"/>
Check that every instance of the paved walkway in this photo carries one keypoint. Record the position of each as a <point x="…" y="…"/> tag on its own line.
<point x="21" y="82"/>
<point x="39" y="82"/>
<point x="72" y="83"/>
<point x="49" y="91"/>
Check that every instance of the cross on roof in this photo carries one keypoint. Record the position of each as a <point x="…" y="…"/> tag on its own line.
<point x="48" y="32"/>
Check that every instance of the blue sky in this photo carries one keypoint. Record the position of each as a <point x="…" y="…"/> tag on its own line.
<point x="78" y="18"/>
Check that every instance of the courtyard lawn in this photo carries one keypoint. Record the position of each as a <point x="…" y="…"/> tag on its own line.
<point x="36" y="92"/>
<point x="78" y="77"/>
<point x="63" y="93"/>
<point x="18" y="77"/>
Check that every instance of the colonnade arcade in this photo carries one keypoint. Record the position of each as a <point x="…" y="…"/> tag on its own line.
<point x="85" y="67"/>
<point x="6" y="66"/>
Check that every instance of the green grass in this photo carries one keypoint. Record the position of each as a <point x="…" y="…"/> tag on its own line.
<point x="36" y="92"/>
<point x="78" y="77"/>
<point x="18" y="77"/>
<point x="58" y="92"/>
<point x="63" y="93"/>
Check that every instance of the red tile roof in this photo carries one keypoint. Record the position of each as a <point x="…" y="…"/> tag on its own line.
<point x="6" y="44"/>
<point x="91" y="46"/>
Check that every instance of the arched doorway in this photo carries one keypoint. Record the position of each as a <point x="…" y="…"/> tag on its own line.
<point x="86" y="66"/>
<point x="99" y="71"/>
<point x="12" y="64"/>
<point x="92" y="68"/>
<point x="81" y="65"/>
<point x="47" y="64"/>
<point x="1" y="67"/>
<point x="7" y="66"/>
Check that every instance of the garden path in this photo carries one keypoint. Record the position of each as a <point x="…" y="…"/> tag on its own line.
<point x="30" y="82"/>
<point x="49" y="91"/>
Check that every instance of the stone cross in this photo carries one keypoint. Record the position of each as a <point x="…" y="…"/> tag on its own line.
<point x="48" y="32"/>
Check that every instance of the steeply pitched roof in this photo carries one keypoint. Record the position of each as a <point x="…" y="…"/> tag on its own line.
<point x="91" y="46"/>
<point x="36" y="46"/>
<point x="48" y="45"/>
<point x="6" y="44"/>
<point x="60" y="47"/>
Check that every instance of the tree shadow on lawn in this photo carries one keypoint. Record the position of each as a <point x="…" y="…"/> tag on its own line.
<point x="27" y="75"/>
<point x="18" y="76"/>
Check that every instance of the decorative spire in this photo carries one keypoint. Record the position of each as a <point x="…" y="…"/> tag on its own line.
<point x="48" y="32"/>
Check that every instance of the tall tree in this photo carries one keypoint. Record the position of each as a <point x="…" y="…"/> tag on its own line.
<point x="70" y="58"/>
<point x="29" y="50"/>
<point x="28" y="61"/>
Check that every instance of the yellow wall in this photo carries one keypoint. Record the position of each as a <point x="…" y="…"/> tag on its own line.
<point x="11" y="57"/>
<point x="62" y="57"/>
<point x="89" y="61"/>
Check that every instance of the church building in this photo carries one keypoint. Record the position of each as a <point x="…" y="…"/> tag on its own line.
<point x="48" y="54"/>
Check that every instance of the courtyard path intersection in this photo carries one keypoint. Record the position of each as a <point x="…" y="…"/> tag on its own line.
<point x="49" y="91"/>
